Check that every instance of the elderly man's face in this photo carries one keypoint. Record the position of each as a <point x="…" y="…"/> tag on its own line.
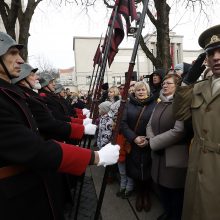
<point x="213" y="60"/>
<point x="12" y="61"/>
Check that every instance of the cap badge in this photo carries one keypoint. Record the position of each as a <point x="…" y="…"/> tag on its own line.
<point x="214" y="39"/>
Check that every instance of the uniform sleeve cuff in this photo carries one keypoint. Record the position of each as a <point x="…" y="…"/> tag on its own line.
<point x="74" y="159"/>
<point x="77" y="131"/>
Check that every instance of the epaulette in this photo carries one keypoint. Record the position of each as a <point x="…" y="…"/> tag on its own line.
<point x="202" y="80"/>
<point x="43" y="94"/>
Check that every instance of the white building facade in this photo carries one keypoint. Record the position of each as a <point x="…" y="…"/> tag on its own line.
<point x="85" y="48"/>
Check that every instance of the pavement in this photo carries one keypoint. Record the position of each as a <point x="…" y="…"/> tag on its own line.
<point x="113" y="207"/>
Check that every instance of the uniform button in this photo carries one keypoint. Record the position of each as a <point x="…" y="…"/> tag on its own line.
<point x="207" y="109"/>
<point x="37" y="129"/>
<point x="204" y="131"/>
<point x="204" y="151"/>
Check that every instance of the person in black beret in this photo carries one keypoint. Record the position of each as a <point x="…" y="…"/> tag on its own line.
<point x="155" y="82"/>
<point x="104" y="96"/>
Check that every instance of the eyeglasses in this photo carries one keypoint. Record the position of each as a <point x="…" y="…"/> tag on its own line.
<point x="166" y="83"/>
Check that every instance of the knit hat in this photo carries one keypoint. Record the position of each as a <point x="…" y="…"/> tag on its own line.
<point x="179" y="66"/>
<point x="105" y="106"/>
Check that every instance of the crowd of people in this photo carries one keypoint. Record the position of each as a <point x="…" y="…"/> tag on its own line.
<point x="168" y="139"/>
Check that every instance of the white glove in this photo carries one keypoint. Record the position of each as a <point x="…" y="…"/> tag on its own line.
<point x="108" y="155"/>
<point x="87" y="121"/>
<point x="85" y="111"/>
<point x="90" y="129"/>
<point x="88" y="115"/>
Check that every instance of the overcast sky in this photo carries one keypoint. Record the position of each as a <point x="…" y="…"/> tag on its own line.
<point x="53" y="28"/>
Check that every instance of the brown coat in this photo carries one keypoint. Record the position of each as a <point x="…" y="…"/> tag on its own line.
<point x="202" y="189"/>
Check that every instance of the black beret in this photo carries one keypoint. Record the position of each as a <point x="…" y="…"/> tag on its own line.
<point x="105" y="86"/>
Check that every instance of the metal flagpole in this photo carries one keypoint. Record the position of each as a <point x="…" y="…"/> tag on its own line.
<point x="122" y="105"/>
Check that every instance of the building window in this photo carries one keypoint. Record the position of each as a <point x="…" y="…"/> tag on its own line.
<point x="88" y="80"/>
<point x="117" y="80"/>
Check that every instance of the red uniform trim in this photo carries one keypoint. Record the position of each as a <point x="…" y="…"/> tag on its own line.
<point x="74" y="160"/>
<point x="77" y="131"/>
<point x="42" y="94"/>
<point x="78" y="110"/>
<point x="81" y="116"/>
<point x="77" y="120"/>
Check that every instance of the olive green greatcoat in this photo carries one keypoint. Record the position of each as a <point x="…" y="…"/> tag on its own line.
<point x="202" y="189"/>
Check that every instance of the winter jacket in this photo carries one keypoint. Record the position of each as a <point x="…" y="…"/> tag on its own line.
<point x="168" y="144"/>
<point x="138" y="161"/>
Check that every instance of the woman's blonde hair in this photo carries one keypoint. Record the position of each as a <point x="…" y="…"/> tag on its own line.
<point x="115" y="90"/>
<point x="142" y="84"/>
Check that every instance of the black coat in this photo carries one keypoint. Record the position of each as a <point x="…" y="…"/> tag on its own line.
<point x="49" y="127"/>
<point x="25" y="195"/>
<point x="138" y="161"/>
<point x="58" y="109"/>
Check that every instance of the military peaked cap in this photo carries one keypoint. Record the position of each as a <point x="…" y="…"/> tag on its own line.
<point x="210" y="38"/>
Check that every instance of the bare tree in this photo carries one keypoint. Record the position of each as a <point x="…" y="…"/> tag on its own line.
<point x="13" y="12"/>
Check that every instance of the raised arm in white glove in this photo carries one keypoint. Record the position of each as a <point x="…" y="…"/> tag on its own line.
<point x="87" y="121"/>
<point x="108" y="155"/>
<point x="90" y="129"/>
<point x="85" y="111"/>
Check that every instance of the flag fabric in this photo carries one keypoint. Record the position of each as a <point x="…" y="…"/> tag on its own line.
<point x="98" y="56"/>
<point x="117" y="36"/>
<point x="128" y="10"/>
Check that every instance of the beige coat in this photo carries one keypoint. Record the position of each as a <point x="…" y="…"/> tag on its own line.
<point x="202" y="189"/>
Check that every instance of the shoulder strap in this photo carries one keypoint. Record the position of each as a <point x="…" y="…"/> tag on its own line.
<point x="139" y="117"/>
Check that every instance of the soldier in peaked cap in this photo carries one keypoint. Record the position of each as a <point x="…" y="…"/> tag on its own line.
<point x="210" y="38"/>
<point x="200" y="102"/>
<point x="25" y="156"/>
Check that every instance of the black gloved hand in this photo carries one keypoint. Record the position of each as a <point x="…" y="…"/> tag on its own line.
<point x="196" y="70"/>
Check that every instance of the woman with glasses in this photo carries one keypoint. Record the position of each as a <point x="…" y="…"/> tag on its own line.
<point x="166" y="138"/>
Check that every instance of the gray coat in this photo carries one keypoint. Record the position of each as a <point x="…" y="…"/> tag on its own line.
<point x="202" y="189"/>
<point x="169" y="149"/>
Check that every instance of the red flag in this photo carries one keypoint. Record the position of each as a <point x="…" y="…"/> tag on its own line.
<point x="98" y="56"/>
<point x="127" y="8"/>
<point x="117" y="37"/>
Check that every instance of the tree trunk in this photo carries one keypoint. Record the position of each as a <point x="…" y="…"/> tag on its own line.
<point x="24" y="22"/>
<point x="163" y="38"/>
<point x="163" y="58"/>
<point x="12" y="13"/>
